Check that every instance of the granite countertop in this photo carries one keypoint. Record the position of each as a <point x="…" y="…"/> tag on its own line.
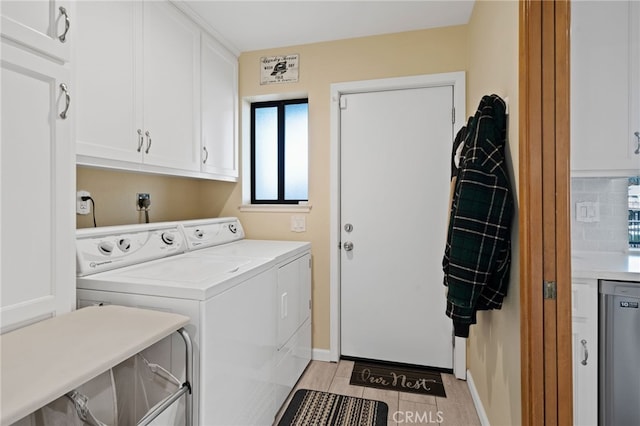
<point x="606" y="265"/>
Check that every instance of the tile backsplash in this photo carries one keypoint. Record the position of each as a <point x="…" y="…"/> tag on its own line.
<point x="609" y="232"/>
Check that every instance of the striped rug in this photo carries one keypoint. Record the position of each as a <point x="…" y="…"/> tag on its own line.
<point x="308" y="407"/>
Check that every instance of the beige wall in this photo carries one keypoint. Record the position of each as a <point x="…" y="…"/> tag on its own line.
<point x="321" y="64"/>
<point x="172" y="198"/>
<point x="494" y="344"/>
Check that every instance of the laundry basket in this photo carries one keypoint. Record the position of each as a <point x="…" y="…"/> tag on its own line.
<point x="121" y="396"/>
<point x="140" y="386"/>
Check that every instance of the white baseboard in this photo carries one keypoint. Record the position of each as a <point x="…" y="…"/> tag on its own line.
<point x="484" y="420"/>
<point x="321" y="355"/>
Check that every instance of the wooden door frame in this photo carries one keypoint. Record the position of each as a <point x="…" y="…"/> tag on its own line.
<point x="545" y="242"/>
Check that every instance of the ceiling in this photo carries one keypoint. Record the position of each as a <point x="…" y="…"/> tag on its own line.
<point x="257" y="25"/>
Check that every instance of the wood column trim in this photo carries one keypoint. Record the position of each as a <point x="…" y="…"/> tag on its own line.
<point x="530" y="189"/>
<point x="546" y="354"/>
<point x="563" y="220"/>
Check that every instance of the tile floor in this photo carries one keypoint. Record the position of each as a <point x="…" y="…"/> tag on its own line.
<point x="405" y="409"/>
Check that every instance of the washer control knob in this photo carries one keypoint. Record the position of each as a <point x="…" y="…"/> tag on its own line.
<point x="168" y="238"/>
<point x="199" y="233"/>
<point x="233" y="228"/>
<point x="124" y="244"/>
<point x="105" y="247"/>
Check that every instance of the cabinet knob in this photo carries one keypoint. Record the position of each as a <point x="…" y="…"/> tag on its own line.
<point x="637" y="135"/>
<point x="206" y="155"/>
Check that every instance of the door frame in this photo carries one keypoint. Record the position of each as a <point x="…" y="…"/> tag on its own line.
<point x="455" y="79"/>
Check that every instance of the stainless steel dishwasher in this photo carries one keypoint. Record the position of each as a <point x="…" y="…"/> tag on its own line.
<point x="619" y="369"/>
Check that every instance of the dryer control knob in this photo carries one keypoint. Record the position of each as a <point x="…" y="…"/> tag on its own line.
<point x="168" y="238"/>
<point x="199" y="233"/>
<point x="124" y="244"/>
<point x="105" y="247"/>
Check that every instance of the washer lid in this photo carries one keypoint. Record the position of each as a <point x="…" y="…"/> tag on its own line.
<point x="183" y="276"/>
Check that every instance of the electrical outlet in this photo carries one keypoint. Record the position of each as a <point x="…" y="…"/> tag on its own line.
<point x="143" y="201"/>
<point x="82" y="206"/>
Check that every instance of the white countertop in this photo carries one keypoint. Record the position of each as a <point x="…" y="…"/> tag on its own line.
<point x="606" y="265"/>
<point x="45" y="360"/>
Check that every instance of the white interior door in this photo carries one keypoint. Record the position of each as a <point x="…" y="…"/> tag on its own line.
<point x="395" y="150"/>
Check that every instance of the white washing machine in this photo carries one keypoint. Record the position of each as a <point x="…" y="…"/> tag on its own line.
<point x="233" y="301"/>
<point x="292" y="263"/>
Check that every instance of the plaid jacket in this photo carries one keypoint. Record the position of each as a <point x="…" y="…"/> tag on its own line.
<point x="478" y="251"/>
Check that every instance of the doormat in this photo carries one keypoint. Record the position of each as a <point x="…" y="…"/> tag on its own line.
<point x="308" y="407"/>
<point x="402" y="379"/>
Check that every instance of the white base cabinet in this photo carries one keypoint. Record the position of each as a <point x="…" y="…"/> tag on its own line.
<point x="585" y="351"/>
<point x="37" y="266"/>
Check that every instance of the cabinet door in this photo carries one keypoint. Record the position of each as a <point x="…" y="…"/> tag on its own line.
<point x="585" y="374"/>
<point x="584" y="300"/>
<point x="171" y="88"/>
<point x="108" y="65"/>
<point x="602" y="137"/>
<point x="43" y="25"/>
<point x="219" y="110"/>
<point x="37" y="180"/>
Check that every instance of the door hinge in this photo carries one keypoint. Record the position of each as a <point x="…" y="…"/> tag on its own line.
<point x="549" y="289"/>
<point x="343" y="102"/>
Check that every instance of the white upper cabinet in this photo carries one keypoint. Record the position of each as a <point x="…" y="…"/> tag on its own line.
<point x="139" y="83"/>
<point x="37" y="262"/>
<point x="605" y="88"/>
<point x="171" y="87"/>
<point x="109" y="101"/>
<point x="44" y="26"/>
<point x="219" y="114"/>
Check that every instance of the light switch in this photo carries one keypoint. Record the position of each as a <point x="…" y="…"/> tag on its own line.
<point x="298" y="223"/>
<point x="588" y="211"/>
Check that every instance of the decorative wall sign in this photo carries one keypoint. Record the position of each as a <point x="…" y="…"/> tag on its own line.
<point x="279" y="69"/>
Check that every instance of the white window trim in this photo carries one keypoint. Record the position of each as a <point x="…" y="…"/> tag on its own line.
<point x="246" y="205"/>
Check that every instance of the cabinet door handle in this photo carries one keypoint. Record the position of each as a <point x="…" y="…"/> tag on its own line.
<point x="585" y="351"/>
<point x="67" y="97"/>
<point x="140" y="140"/>
<point x="637" y="151"/>
<point x="67" y="24"/>
<point x="146" y="151"/>
<point x="206" y="155"/>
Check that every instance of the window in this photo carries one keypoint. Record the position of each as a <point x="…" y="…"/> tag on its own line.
<point x="279" y="152"/>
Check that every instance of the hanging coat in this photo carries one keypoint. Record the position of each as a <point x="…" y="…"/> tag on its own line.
<point x="477" y="256"/>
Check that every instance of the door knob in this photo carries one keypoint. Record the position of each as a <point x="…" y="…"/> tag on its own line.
<point x="348" y="246"/>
